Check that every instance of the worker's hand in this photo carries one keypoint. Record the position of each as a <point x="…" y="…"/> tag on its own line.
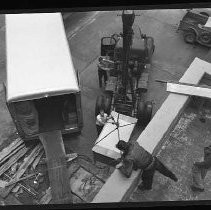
<point x="119" y="165"/>
<point x="110" y="117"/>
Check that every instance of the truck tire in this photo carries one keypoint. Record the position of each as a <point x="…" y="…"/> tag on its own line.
<point x="144" y="113"/>
<point x="99" y="104"/>
<point x="189" y="37"/>
<point x="205" y="37"/>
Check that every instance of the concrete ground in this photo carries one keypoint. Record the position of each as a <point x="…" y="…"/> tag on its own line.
<point x="84" y="30"/>
<point x="184" y="146"/>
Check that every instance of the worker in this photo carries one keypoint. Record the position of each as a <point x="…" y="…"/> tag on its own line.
<point x="136" y="157"/>
<point x="101" y="120"/>
<point x="105" y="65"/>
<point x="200" y="169"/>
<point x="102" y="74"/>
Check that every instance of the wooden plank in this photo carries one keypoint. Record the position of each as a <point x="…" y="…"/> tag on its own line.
<point x="37" y="160"/>
<point x="7" y="150"/>
<point x="20" y="179"/>
<point x="12" y="153"/>
<point x="57" y="166"/>
<point x="182" y="83"/>
<point x="13" y="160"/>
<point x="189" y="90"/>
<point x="27" y="161"/>
<point x="69" y="157"/>
<point x="47" y="197"/>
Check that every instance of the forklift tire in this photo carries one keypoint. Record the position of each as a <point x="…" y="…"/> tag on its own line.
<point x="148" y="112"/>
<point x="204" y="13"/>
<point x="140" y="113"/>
<point x="153" y="50"/>
<point x="190" y="37"/>
<point x="107" y="104"/>
<point x="99" y="104"/>
<point x="144" y="113"/>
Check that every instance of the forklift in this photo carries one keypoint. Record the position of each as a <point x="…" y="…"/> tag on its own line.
<point x="127" y="58"/>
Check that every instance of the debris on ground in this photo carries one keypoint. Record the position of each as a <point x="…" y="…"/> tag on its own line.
<point x="24" y="175"/>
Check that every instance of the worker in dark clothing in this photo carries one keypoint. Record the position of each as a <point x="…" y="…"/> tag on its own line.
<point x="102" y="74"/>
<point x="200" y="169"/>
<point x="105" y="65"/>
<point x="136" y="157"/>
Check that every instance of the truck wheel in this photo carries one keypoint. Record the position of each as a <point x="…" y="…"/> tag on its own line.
<point x="205" y="37"/>
<point x="190" y="37"/>
<point x="99" y="104"/>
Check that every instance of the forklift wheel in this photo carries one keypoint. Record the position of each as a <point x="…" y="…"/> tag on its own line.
<point x="148" y="112"/>
<point x="144" y="113"/>
<point x="99" y="104"/>
<point x="190" y="37"/>
<point x="153" y="50"/>
<point x="107" y="104"/>
<point x="140" y="113"/>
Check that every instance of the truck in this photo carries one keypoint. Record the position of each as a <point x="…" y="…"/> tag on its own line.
<point x="42" y="88"/>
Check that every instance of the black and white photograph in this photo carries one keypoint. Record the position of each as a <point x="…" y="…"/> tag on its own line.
<point x="105" y="106"/>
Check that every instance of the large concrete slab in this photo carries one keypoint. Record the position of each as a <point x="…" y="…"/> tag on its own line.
<point x="105" y="144"/>
<point x="151" y="138"/>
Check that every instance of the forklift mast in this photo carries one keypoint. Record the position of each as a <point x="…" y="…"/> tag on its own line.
<point x="128" y="17"/>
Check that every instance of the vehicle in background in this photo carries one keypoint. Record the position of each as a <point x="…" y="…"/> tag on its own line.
<point x="196" y="27"/>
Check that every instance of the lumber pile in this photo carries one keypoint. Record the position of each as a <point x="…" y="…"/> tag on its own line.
<point x="19" y="169"/>
<point x="20" y="166"/>
<point x="16" y="161"/>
